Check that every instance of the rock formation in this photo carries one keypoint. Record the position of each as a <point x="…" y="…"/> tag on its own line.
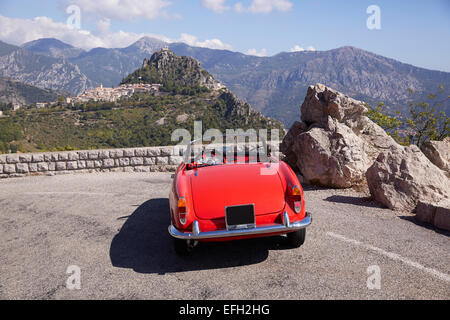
<point x="402" y="177"/>
<point x="438" y="152"/>
<point x="335" y="143"/>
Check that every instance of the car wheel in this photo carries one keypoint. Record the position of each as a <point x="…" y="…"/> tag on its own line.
<point x="297" y="238"/>
<point x="182" y="247"/>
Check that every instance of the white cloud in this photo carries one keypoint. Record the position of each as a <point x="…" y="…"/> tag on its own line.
<point x="124" y="9"/>
<point x="19" y="31"/>
<point x="298" y="48"/>
<point x="239" y="7"/>
<point x="254" y="52"/>
<point x="215" y="5"/>
<point x="265" y="6"/>
<point x="256" y="6"/>
<point x="212" y="43"/>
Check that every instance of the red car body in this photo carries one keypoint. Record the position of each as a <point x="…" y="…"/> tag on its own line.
<point x="270" y="186"/>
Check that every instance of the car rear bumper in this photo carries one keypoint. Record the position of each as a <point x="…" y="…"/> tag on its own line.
<point x="286" y="227"/>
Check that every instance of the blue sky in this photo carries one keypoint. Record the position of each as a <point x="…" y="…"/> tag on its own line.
<point x="415" y="32"/>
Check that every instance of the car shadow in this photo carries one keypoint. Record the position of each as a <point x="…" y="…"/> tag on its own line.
<point x="144" y="245"/>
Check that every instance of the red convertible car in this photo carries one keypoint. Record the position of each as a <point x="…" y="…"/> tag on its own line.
<point x="231" y="193"/>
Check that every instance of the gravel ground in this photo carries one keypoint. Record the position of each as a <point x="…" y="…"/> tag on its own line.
<point x="114" y="228"/>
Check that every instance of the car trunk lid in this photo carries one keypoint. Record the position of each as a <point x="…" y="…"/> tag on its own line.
<point x="216" y="187"/>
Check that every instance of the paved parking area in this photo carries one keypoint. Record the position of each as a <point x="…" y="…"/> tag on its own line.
<point x="114" y="228"/>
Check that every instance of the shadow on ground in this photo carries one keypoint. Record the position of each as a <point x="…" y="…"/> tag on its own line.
<point x="425" y="225"/>
<point x="357" y="201"/>
<point x="144" y="245"/>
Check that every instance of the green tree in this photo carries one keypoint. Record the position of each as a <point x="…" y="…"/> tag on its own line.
<point x="426" y="120"/>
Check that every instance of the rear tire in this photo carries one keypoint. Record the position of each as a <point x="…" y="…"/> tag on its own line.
<point x="182" y="247"/>
<point x="297" y="238"/>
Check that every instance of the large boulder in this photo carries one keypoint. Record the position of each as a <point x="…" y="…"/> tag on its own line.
<point x="438" y="152"/>
<point x="335" y="143"/>
<point x="402" y="177"/>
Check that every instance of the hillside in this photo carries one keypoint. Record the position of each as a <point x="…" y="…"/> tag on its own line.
<point x="12" y="91"/>
<point x="173" y="71"/>
<point x="142" y="120"/>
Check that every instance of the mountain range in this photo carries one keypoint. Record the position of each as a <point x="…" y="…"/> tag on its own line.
<point x="188" y="93"/>
<point x="275" y="85"/>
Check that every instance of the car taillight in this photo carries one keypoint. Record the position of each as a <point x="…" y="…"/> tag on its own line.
<point x="182" y="215"/>
<point x="296" y="191"/>
<point x="296" y="196"/>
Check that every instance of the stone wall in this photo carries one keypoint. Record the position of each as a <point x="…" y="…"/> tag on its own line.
<point x="152" y="159"/>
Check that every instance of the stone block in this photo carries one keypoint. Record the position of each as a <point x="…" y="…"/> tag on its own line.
<point x="124" y="162"/>
<point x="81" y="164"/>
<point x="117" y="153"/>
<point x="22" y="168"/>
<point x="442" y="218"/>
<point x="128" y="152"/>
<point x="108" y="163"/>
<point x="63" y="156"/>
<point x="103" y="154"/>
<point x="166" y="151"/>
<point x="12" y="158"/>
<point x="137" y="161"/>
<point x="38" y="157"/>
<point x="33" y="167"/>
<point x="153" y="152"/>
<point x="149" y="161"/>
<point x="72" y="165"/>
<point x="73" y="156"/>
<point x="60" y="166"/>
<point x="42" y="166"/>
<point x="93" y="154"/>
<point x="83" y="155"/>
<point x="162" y="160"/>
<point x="25" y="158"/>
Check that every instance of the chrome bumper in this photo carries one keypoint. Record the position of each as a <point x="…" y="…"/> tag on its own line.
<point x="286" y="227"/>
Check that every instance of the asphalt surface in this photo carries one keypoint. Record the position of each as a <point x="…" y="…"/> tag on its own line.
<point x="114" y="228"/>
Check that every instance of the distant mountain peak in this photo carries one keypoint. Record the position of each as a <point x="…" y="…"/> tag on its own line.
<point x="55" y="43"/>
<point x="52" y="47"/>
<point x="147" y="44"/>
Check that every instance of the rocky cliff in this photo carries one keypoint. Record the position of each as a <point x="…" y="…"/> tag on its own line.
<point x="166" y="67"/>
<point x="41" y="70"/>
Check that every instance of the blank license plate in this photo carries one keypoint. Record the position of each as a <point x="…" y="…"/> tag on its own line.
<point x="240" y="217"/>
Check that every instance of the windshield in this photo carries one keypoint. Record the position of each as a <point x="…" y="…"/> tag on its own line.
<point x="233" y="150"/>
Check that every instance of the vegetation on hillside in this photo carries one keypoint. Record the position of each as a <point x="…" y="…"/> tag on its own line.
<point x="148" y="119"/>
<point x="12" y="91"/>
<point x="426" y="121"/>
<point x="142" y="120"/>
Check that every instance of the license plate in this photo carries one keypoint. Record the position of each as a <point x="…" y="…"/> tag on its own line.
<point x="240" y="217"/>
